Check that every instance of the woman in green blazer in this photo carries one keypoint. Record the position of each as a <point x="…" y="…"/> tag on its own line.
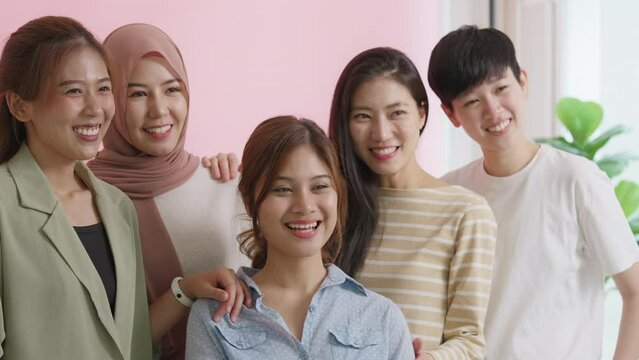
<point x="71" y="278"/>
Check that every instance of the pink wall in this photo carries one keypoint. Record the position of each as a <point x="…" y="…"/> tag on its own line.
<point x="249" y="60"/>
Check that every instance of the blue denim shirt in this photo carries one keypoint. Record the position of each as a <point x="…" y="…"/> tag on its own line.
<point x="344" y="321"/>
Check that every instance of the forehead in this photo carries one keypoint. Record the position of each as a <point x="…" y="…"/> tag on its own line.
<point x="381" y="91"/>
<point x="302" y="162"/>
<point x="152" y="68"/>
<point x="491" y="79"/>
<point x="83" y="64"/>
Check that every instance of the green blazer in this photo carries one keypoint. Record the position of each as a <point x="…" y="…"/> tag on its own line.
<point x="53" y="302"/>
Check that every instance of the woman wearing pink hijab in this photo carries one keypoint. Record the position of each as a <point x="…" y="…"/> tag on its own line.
<point x="188" y="223"/>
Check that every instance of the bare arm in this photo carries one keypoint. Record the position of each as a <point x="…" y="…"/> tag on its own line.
<point x="628" y="283"/>
<point x="219" y="284"/>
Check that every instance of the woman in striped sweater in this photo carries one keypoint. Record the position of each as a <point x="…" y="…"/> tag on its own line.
<point x="426" y="245"/>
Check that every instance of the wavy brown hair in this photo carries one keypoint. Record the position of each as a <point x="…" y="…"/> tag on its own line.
<point x="263" y="157"/>
<point x="30" y="57"/>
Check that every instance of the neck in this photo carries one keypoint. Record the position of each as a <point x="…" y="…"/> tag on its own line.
<point x="59" y="173"/>
<point x="411" y="177"/>
<point x="303" y="274"/>
<point x="505" y="163"/>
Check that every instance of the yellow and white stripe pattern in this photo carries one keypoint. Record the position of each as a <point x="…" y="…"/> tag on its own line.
<point x="432" y="254"/>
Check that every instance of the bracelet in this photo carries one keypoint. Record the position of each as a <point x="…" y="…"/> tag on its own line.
<point x="179" y="295"/>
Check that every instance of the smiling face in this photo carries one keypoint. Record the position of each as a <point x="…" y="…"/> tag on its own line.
<point x="69" y="119"/>
<point x="156" y="107"/>
<point x="492" y="113"/>
<point x="384" y="126"/>
<point x="299" y="213"/>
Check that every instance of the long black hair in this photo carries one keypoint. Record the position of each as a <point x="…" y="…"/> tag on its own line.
<point x="361" y="181"/>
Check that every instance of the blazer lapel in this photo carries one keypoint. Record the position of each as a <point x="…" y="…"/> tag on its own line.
<point x="35" y="193"/>
<point x="122" y="245"/>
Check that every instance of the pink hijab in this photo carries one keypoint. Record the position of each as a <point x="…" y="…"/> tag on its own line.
<point x="141" y="176"/>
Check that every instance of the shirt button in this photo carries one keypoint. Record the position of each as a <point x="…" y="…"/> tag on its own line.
<point x="240" y="342"/>
<point x="311" y="309"/>
<point x="304" y="356"/>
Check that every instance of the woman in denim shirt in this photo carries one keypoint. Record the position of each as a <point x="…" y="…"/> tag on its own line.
<point x="305" y="307"/>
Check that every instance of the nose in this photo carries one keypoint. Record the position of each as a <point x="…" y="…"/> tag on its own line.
<point x="381" y="129"/>
<point x="158" y="107"/>
<point x="492" y="107"/>
<point x="92" y="105"/>
<point x="303" y="202"/>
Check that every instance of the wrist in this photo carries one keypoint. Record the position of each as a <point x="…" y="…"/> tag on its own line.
<point x="179" y="294"/>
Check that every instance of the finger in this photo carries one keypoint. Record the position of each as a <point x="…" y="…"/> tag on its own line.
<point x="248" y="300"/>
<point x="206" y="162"/>
<point x="231" y="289"/>
<point x="211" y="292"/>
<point x="215" y="170"/>
<point x="223" y="165"/>
<point x="219" y="312"/>
<point x="233" y="165"/>
<point x="237" y="306"/>
<point x="417" y="346"/>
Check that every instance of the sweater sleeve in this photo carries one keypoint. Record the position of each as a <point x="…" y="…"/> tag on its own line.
<point x="469" y="285"/>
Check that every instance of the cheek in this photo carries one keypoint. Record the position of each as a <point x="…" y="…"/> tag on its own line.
<point x="358" y="135"/>
<point x="134" y="116"/>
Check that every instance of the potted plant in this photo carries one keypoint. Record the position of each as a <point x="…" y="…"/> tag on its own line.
<point x="582" y="119"/>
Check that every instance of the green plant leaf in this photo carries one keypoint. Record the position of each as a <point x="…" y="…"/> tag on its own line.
<point x="614" y="165"/>
<point x="634" y="225"/>
<point x="580" y="118"/>
<point x="597" y="143"/>
<point x="628" y="195"/>
<point x="563" y="144"/>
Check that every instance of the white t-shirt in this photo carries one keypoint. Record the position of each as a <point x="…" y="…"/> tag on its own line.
<point x="560" y="232"/>
<point x="203" y="218"/>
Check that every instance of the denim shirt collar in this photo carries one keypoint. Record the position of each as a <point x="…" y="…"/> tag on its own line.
<point x="335" y="277"/>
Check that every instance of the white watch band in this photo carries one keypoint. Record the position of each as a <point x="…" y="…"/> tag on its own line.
<point x="179" y="295"/>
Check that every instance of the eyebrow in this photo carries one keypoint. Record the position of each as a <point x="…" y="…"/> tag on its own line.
<point x="69" y="82"/>
<point x="143" y="85"/>
<point x="285" y="178"/>
<point x="395" y="104"/>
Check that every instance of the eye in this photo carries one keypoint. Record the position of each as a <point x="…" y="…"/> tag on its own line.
<point x="174" y="89"/>
<point x="360" y="116"/>
<point x="398" y="113"/>
<point x="321" y="187"/>
<point x="471" y="102"/>
<point x="282" y="190"/>
<point x="139" y="93"/>
<point x="74" y="91"/>
<point x="105" y="89"/>
<point x="502" y="88"/>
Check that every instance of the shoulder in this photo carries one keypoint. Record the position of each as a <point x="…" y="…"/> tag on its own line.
<point x="566" y="164"/>
<point x="462" y="175"/>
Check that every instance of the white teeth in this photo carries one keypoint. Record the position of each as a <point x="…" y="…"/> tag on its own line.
<point x="87" y="131"/>
<point x="384" y="151"/>
<point x="499" y="127"/>
<point x="158" y="130"/>
<point x="302" y="227"/>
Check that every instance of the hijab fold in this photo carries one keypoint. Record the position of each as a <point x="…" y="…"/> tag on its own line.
<point x="143" y="177"/>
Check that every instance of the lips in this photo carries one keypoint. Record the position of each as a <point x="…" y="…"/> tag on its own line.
<point x="304" y="229"/>
<point x="159" y="132"/>
<point x="384" y="152"/>
<point x="500" y="126"/>
<point x="88" y="132"/>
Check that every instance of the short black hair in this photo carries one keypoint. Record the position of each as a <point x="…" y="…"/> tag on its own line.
<point x="466" y="57"/>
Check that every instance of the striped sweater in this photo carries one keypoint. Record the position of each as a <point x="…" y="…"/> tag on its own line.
<point x="432" y="254"/>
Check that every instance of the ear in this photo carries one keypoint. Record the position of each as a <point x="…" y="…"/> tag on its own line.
<point x="451" y="115"/>
<point x="523" y="81"/>
<point x="19" y="108"/>
<point x="422" y="115"/>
